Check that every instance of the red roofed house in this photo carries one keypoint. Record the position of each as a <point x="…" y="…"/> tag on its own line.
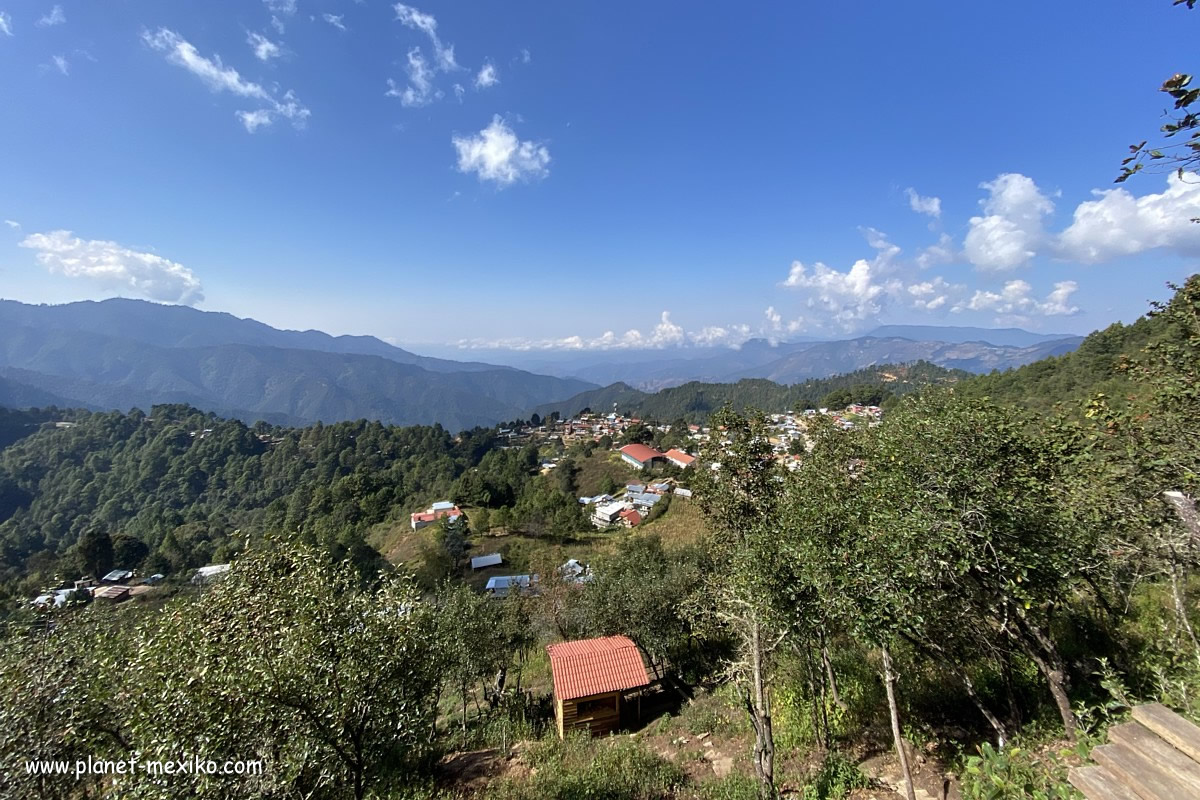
<point x="590" y="677"/>
<point x="679" y="458"/>
<point x="629" y="517"/>
<point x="639" y="455"/>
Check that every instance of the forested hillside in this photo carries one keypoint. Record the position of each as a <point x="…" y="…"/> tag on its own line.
<point x="1096" y="366"/>
<point x="696" y="401"/>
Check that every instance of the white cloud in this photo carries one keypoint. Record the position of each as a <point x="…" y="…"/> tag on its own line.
<point x="6" y="24"/>
<point x="419" y="91"/>
<point x="12" y="223"/>
<point x="55" y="17"/>
<point x="253" y="120"/>
<point x="115" y="267"/>
<point x="933" y="294"/>
<point x="60" y="63"/>
<point x="943" y="252"/>
<point x="264" y="49"/>
<point x="1016" y="298"/>
<point x="525" y="56"/>
<point x="848" y="298"/>
<point x="496" y="154"/>
<point x="1118" y="224"/>
<point x="929" y="206"/>
<point x="1010" y="232"/>
<point x="285" y="7"/>
<point x="666" y="334"/>
<point x="425" y="23"/>
<point x="277" y="24"/>
<point x="459" y="91"/>
<point x="220" y="78"/>
<point x="335" y="20"/>
<point x="487" y="76"/>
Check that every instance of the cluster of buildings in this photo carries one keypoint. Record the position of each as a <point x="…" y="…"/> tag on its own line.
<point x="633" y="505"/>
<point x="116" y="586"/>
<point x="439" y="510"/>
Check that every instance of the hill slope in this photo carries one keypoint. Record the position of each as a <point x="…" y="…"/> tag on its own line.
<point x="63" y="355"/>
<point x="695" y="400"/>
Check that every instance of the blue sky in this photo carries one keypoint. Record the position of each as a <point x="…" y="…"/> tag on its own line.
<point x="781" y="170"/>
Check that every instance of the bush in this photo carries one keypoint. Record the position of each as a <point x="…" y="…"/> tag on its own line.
<point x="1015" y="773"/>
<point x="835" y="779"/>
<point x="596" y="769"/>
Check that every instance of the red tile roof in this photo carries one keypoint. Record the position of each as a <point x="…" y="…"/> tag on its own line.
<point x="596" y="666"/>
<point x="632" y="516"/>
<point x="680" y="456"/>
<point x="640" y="452"/>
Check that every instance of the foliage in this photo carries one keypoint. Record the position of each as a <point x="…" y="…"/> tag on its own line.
<point x="578" y="768"/>
<point x="1016" y="773"/>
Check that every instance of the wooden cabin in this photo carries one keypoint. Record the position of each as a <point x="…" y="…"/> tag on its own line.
<point x="591" y="677"/>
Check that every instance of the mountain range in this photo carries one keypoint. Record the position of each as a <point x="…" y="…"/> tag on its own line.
<point x="124" y="353"/>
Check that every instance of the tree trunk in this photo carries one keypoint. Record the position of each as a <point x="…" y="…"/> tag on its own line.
<point x="833" y="689"/>
<point x="1181" y="607"/>
<point x="889" y="681"/>
<point x="1041" y="648"/>
<point x="758" y="703"/>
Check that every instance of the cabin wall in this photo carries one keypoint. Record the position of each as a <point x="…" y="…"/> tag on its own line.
<point x="600" y="714"/>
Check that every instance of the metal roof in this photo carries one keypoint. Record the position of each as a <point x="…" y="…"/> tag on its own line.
<point x="640" y="452"/>
<point x="490" y="560"/>
<point x="596" y="666"/>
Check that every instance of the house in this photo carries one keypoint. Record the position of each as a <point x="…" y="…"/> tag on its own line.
<point x="659" y="488"/>
<point x="682" y="492"/>
<point x="644" y="501"/>
<point x="209" y="574"/>
<point x="501" y="585"/>
<point x="574" y="572"/>
<point x="114" y="594"/>
<point x="117" y="576"/>
<point x="679" y="458"/>
<point x="591" y="677"/>
<point x="432" y="514"/>
<point x="635" y="488"/>
<point x="639" y="456"/>
<point x="630" y="518"/>
<point x="490" y="560"/>
<point x="607" y="514"/>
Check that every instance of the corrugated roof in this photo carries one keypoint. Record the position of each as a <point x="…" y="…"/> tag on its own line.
<point x="596" y="666"/>
<point x="679" y="455"/>
<point x="640" y="452"/>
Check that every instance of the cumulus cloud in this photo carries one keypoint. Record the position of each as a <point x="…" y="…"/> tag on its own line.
<point x="487" y="76"/>
<point x="6" y="24"/>
<point x="427" y="24"/>
<point x="112" y="266"/>
<point x="847" y="299"/>
<point x="1017" y="298"/>
<point x="220" y="78"/>
<point x="264" y="49"/>
<point x="1118" y="224"/>
<point x="56" y="16"/>
<point x="943" y="252"/>
<point x="929" y="206"/>
<point x="335" y="20"/>
<point x="666" y="334"/>
<point x="420" y="90"/>
<point x="1010" y="232"/>
<point x="933" y="294"/>
<point x="496" y="154"/>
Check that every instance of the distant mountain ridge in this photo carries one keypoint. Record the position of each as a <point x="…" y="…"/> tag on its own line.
<point x="242" y="368"/>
